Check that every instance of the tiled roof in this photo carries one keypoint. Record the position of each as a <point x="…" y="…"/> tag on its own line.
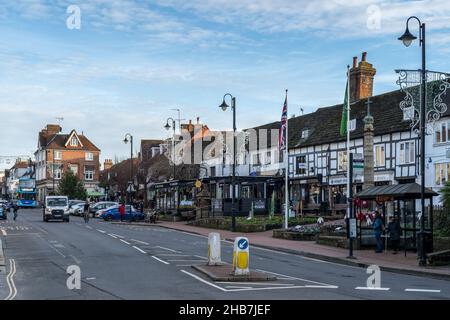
<point x="324" y="123"/>
<point x="58" y="141"/>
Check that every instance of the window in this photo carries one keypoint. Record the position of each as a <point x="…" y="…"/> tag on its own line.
<point x="57" y="155"/>
<point x="268" y="157"/>
<point x="442" y="132"/>
<point x="300" y="167"/>
<point x="74" y="169"/>
<point x="379" y="156"/>
<point x="88" y="174"/>
<point x="407" y="152"/>
<point x="439" y="169"/>
<point x="342" y="160"/>
<point x="305" y="134"/>
<point x="73" y="142"/>
<point x="256" y="159"/>
<point x="89" y="156"/>
<point x="57" y="172"/>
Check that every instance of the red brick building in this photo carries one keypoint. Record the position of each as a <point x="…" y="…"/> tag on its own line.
<point x="58" y="152"/>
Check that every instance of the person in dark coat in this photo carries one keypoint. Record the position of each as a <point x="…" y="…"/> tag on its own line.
<point x="15" y="210"/>
<point x="378" y="229"/>
<point x="394" y="233"/>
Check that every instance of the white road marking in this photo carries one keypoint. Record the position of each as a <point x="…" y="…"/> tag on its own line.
<point x="372" y="288"/>
<point x="91" y="278"/>
<point x="173" y="255"/>
<point x="4" y="232"/>
<point x="141" y="242"/>
<point x="235" y="287"/>
<point x="281" y="288"/>
<point x="164" y="248"/>
<point x="109" y="234"/>
<point x="139" y="249"/>
<point x="10" y="280"/>
<point x="89" y="227"/>
<point x="118" y="236"/>
<point x="257" y="283"/>
<point x="124" y="241"/>
<point x="156" y="258"/>
<point x="101" y="231"/>
<point x="201" y="257"/>
<point x="294" y="278"/>
<point x="182" y="260"/>
<point x="202" y="280"/>
<point x="75" y="259"/>
<point x="422" y="290"/>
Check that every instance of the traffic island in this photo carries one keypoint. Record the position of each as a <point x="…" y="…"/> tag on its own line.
<point x="223" y="273"/>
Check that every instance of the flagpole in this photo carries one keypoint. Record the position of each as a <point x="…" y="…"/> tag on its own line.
<point x="348" y="141"/>
<point x="286" y="159"/>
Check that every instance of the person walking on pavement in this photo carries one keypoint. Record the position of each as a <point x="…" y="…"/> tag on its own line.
<point x="378" y="229"/>
<point x="122" y="211"/>
<point x="86" y="212"/>
<point x="141" y="206"/>
<point x="393" y="229"/>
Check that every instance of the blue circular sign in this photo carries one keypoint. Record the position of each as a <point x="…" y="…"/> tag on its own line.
<point x="243" y="244"/>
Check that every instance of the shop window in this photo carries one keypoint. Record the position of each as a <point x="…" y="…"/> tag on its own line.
<point x="300" y="167"/>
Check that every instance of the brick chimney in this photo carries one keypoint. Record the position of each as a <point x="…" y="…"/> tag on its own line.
<point x="52" y="129"/>
<point x="107" y="164"/>
<point x="361" y="79"/>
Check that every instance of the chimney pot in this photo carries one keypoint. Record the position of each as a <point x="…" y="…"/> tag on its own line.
<point x="364" y="55"/>
<point x="198" y="120"/>
<point x="355" y="61"/>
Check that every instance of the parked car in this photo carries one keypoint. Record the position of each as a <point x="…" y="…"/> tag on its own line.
<point x="77" y="209"/>
<point x="112" y="213"/>
<point x="3" y="212"/>
<point x="100" y="206"/>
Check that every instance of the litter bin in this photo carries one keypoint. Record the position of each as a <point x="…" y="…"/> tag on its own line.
<point x="427" y="241"/>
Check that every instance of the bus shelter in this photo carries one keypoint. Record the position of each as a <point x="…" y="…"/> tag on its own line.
<point x="402" y="201"/>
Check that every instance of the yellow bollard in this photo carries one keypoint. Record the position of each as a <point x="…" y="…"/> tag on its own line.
<point x="241" y="256"/>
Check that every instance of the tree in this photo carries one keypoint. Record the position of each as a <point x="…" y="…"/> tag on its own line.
<point x="445" y="194"/>
<point x="71" y="186"/>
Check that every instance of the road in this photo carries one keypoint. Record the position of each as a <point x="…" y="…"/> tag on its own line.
<point x="139" y="262"/>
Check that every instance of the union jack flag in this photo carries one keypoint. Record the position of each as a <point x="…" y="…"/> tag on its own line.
<point x="282" y="135"/>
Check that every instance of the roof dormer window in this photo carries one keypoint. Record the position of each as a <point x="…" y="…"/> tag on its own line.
<point x="305" y="133"/>
<point x="74" y="142"/>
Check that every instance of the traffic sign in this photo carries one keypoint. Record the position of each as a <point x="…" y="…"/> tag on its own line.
<point x="243" y="244"/>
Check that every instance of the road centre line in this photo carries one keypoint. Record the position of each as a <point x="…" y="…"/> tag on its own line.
<point x="109" y="234"/>
<point x="89" y="227"/>
<point x="141" y="242"/>
<point x="101" y="231"/>
<point x="164" y="248"/>
<point x="140" y="250"/>
<point x="422" y="290"/>
<point x="125" y="241"/>
<point x="118" y="236"/>
<point x="156" y="258"/>
<point x="372" y="288"/>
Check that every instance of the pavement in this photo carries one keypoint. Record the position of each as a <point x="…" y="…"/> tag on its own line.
<point x="121" y="262"/>
<point x="386" y="261"/>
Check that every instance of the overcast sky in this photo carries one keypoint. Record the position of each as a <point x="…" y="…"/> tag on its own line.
<point x="131" y="62"/>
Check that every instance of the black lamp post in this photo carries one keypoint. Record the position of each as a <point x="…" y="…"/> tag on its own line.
<point x="129" y="136"/>
<point x="407" y="38"/>
<point x="167" y="127"/>
<point x="224" y="106"/>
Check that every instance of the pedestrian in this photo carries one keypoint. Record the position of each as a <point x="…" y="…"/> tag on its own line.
<point x="122" y="211"/>
<point x="15" y="210"/>
<point x="393" y="229"/>
<point x="86" y="211"/>
<point x="141" y="206"/>
<point x="378" y="229"/>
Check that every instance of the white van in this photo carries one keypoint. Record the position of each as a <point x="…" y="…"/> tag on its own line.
<point x="56" y="208"/>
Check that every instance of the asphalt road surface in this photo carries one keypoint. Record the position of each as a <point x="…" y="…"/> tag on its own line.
<point x="140" y="262"/>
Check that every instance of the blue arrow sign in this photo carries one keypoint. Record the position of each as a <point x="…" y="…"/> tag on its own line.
<point x="242" y="244"/>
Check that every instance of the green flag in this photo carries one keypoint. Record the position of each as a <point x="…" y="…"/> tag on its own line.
<point x="344" y="119"/>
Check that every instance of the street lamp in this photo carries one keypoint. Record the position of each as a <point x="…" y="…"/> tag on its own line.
<point x="130" y="137"/>
<point x="224" y="106"/>
<point x="167" y="127"/>
<point x="407" y="38"/>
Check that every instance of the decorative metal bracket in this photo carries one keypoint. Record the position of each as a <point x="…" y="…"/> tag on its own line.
<point x="437" y="84"/>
